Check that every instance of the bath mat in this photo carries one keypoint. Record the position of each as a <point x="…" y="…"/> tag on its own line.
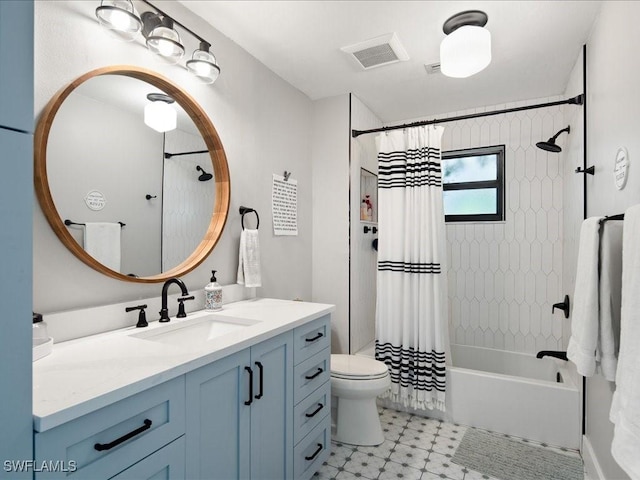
<point x="508" y="459"/>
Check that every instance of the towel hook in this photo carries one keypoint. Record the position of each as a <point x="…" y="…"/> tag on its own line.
<point x="244" y="210"/>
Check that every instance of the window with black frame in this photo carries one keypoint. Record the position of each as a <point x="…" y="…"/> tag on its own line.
<point x="473" y="184"/>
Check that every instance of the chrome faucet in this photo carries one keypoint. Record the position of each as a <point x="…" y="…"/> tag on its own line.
<point x="164" y="311"/>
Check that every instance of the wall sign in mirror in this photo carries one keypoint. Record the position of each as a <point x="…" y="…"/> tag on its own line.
<point x="621" y="168"/>
<point x="92" y="144"/>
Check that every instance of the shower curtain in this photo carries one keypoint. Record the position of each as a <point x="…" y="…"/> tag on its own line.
<point x="411" y="306"/>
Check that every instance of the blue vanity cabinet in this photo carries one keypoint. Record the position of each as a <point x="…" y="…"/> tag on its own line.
<point x="16" y="73"/>
<point x="312" y="396"/>
<point x="107" y="442"/>
<point x="164" y="464"/>
<point x="240" y="414"/>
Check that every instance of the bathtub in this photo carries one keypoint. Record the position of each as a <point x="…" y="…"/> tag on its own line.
<point x="512" y="393"/>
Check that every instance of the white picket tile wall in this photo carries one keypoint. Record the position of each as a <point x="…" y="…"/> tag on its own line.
<point x="504" y="277"/>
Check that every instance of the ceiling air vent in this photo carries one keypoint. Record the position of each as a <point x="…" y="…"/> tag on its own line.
<point x="432" y="68"/>
<point x="378" y="51"/>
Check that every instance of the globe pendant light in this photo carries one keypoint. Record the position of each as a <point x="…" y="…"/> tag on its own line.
<point x="120" y="17"/>
<point x="159" y="114"/>
<point x="162" y="38"/>
<point x="203" y="64"/>
<point x="466" y="50"/>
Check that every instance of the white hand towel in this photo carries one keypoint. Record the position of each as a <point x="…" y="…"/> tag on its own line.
<point x="610" y="296"/>
<point x="249" y="259"/>
<point x="625" y="408"/>
<point x="584" y="321"/>
<point x="102" y="242"/>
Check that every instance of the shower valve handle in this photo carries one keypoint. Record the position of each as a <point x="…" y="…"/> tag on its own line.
<point x="564" y="306"/>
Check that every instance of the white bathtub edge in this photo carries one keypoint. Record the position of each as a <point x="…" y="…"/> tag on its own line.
<point x="591" y="465"/>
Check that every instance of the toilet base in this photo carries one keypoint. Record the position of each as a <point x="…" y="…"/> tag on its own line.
<point x="358" y="422"/>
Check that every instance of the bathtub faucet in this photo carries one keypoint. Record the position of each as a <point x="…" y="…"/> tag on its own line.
<point x="552" y="353"/>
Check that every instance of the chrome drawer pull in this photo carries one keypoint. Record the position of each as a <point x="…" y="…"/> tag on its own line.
<point x="313" y="339"/>
<point x="315" y="454"/>
<point x="315" y="412"/>
<point x="311" y="377"/>
<point x="108" y="446"/>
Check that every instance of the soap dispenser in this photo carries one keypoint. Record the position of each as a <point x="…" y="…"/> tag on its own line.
<point x="213" y="294"/>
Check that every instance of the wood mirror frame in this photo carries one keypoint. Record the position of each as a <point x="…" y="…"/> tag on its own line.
<point x="211" y="139"/>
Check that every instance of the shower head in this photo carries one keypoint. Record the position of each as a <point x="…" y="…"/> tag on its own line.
<point x="204" y="176"/>
<point x="550" y="145"/>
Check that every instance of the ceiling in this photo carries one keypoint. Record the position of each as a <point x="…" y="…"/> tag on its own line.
<point x="535" y="45"/>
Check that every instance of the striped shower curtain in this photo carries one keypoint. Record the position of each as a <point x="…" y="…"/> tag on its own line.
<point x="411" y="309"/>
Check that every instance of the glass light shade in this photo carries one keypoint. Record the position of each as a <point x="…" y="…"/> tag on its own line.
<point x="203" y="65"/>
<point x="165" y="41"/>
<point x="160" y="116"/>
<point x="465" y="51"/>
<point x="119" y="16"/>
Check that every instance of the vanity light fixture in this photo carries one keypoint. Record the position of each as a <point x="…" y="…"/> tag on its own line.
<point x="159" y="114"/>
<point x="203" y="64"/>
<point x="120" y="17"/>
<point x="162" y="38"/>
<point x="466" y="50"/>
<point x="161" y="35"/>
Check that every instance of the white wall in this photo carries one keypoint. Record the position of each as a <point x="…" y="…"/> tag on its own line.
<point x="264" y="125"/>
<point x="330" y="266"/>
<point x="364" y="259"/>
<point x="613" y="75"/>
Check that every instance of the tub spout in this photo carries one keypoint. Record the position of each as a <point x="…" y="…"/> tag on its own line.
<point x="552" y="353"/>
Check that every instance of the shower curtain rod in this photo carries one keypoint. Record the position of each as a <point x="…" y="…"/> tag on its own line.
<point x="577" y="100"/>
<point x="169" y="155"/>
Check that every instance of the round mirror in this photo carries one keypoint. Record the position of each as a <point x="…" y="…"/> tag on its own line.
<point x="131" y="174"/>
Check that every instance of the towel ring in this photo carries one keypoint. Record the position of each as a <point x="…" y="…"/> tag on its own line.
<point x="244" y="210"/>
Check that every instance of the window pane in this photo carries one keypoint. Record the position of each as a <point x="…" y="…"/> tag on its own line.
<point x="470" y="202"/>
<point x="470" y="169"/>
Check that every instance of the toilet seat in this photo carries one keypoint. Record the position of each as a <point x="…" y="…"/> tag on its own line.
<point x="353" y="367"/>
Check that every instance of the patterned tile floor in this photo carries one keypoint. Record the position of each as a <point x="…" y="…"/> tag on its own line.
<point x="415" y="448"/>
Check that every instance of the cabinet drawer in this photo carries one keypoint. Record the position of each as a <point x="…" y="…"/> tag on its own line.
<point x="310" y="375"/>
<point x="312" y="451"/>
<point x="126" y="431"/>
<point x="166" y="463"/>
<point x="311" y="338"/>
<point x="311" y="411"/>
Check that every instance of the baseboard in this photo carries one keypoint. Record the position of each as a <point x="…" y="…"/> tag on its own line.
<point x="591" y="465"/>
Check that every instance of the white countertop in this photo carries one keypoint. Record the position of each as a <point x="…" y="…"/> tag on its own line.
<point x="83" y="375"/>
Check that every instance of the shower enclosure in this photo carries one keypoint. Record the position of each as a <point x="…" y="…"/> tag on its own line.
<point x="503" y="276"/>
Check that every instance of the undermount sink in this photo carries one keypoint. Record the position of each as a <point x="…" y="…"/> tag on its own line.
<point x="195" y="332"/>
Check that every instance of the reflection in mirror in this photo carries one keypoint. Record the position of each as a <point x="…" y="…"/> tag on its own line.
<point x="105" y="165"/>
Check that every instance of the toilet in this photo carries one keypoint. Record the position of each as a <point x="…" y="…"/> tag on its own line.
<point x="356" y="381"/>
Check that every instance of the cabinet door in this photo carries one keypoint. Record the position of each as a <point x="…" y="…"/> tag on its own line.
<point x="165" y="464"/>
<point x="16" y="58"/>
<point x="218" y="421"/>
<point x="272" y="409"/>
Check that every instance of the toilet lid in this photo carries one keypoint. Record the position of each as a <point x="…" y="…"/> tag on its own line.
<point x="357" y="367"/>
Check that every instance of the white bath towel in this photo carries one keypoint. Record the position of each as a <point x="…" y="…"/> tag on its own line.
<point x="625" y="408"/>
<point x="102" y="242"/>
<point x="610" y="296"/>
<point x="249" y="259"/>
<point x="584" y="319"/>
